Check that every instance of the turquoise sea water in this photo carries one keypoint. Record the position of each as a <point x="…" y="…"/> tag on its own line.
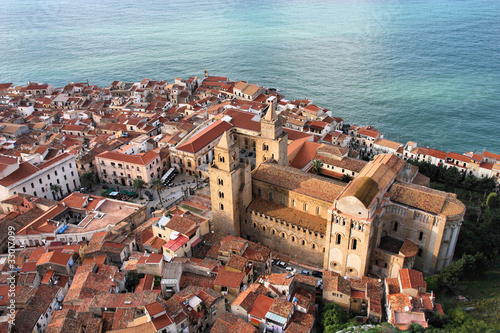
<point x="422" y="70"/>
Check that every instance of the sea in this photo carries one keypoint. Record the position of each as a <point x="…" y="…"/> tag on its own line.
<point x="420" y="70"/>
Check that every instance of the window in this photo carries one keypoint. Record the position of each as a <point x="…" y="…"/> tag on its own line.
<point x="293" y="238"/>
<point x="338" y="240"/>
<point x="55" y="172"/>
<point x="34" y="193"/>
<point x="305" y="207"/>
<point x="293" y="202"/>
<point x="421" y="235"/>
<point x="67" y="177"/>
<point x="220" y="181"/>
<point x="395" y="226"/>
<point x="259" y="192"/>
<point x="32" y="186"/>
<point x="420" y="251"/>
<point x="282" y="200"/>
<point x="40" y="180"/>
<point x="354" y="244"/>
<point x="271" y="196"/>
<point x="303" y="242"/>
<point x="221" y="206"/>
<point x="317" y="210"/>
<point x="221" y="195"/>
<point x="48" y="177"/>
<point x="63" y="169"/>
<point x="24" y="189"/>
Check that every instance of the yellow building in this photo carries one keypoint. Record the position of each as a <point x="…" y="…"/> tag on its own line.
<point x="380" y="222"/>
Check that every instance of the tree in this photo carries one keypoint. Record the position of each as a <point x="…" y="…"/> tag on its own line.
<point x="334" y="317"/>
<point x="346" y="178"/>
<point x="104" y="193"/>
<point x="138" y="184"/>
<point x="88" y="179"/>
<point x="56" y="188"/>
<point x="131" y="281"/>
<point x="158" y="186"/>
<point x="196" y="179"/>
<point x="452" y="176"/>
<point x="316" y="166"/>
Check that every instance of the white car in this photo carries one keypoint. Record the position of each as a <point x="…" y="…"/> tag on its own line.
<point x="291" y="269"/>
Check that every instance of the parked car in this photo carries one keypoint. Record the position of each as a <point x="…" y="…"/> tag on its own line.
<point x="317" y="274"/>
<point x="148" y="193"/>
<point x="304" y="272"/>
<point x="281" y="264"/>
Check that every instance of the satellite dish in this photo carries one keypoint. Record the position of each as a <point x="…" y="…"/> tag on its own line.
<point x="407" y="308"/>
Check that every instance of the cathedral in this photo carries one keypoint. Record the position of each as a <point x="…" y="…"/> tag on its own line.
<point x="380" y="222"/>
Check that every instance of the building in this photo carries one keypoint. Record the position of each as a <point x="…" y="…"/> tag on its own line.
<point x="122" y="169"/>
<point x="380" y="222"/>
<point x="37" y="180"/>
<point x="78" y="217"/>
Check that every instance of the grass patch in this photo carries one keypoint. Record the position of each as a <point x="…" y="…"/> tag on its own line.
<point x="192" y="209"/>
<point x="482" y="294"/>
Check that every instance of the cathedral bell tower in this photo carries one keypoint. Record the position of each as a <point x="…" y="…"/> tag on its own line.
<point x="273" y="141"/>
<point x="230" y="186"/>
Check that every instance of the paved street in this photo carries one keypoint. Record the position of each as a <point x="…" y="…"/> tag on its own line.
<point x="180" y="183"/>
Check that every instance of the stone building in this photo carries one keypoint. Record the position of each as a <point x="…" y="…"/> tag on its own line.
<point x="380" y="222"/>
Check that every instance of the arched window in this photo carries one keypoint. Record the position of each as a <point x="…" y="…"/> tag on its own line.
<point x="395" y="226"/>
<point x="421" y="235"/>
<point x="317" y="210"/>
<point x="303" y="242"/>
<point x="293" y="202"/>
<point x="283" y="235"/>
<point x="221" y="158"/>
<point x="273" y="232"/>
<point x="221" y="195"/>
<point x="354" y="244"/>
<point x="221" y="206"/>
<point x="338" y="239"/>
<point x="305" y="207"/>
<point x="293" y="238"/>
<point x="313" y="246"/>
<point x="220" y="181"/>
<point x="264" y="228"/>
<point x="265" y="147"/>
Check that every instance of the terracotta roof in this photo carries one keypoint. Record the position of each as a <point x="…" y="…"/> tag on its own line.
<point x="297" y="181"/>
<point x="336" y="283"/>
<point x="229" y="279"/>
<point x="183" y="225"/>
<point x="245" y="299"/>
<point x="279" y="279"/>
<point x="139" y="159"/>
<point x="410" y="278"/>
<point x="409" y="248"/>
<point x="281" y="307"/>
<point x="55" y="257"/>
<point x="205" y="137"/>
<point x="228" y="322"/>
<point x="237" y="262"/>
<point x="261" y="306"/>
<point x="25" y="170"/>
<point x="418" y="196"/>
<point x="392" y="286"/>
<point x="388" y="143"/>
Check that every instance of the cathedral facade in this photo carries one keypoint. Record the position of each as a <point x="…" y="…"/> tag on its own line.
<point x="380" y="222"/>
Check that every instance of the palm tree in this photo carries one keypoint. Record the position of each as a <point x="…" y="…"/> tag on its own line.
<point x="138" y="185"/>
<point x="316" y="166"/>
<point x="88" y="179"/>
<point x="158" y="186"/>
<point x="56" y="188"/>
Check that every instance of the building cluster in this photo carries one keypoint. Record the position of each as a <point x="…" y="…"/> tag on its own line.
<point x="276" y="170"/>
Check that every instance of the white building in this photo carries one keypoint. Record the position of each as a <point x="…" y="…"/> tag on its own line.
<point x="26" y="178"/>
